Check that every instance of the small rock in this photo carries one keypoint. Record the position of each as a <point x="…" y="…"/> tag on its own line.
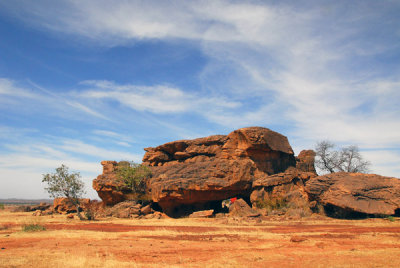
<point x="297" y="239"/>
<point x="202" y="214"/>
<point x="146" y="210"/>
<point x="70" y="216"/>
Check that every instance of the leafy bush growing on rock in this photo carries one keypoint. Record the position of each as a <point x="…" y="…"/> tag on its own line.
<point x="134" y="176"/>
<point x="347" y="159"/>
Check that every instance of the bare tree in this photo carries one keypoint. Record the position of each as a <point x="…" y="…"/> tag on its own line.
<point x="347" y="159"/>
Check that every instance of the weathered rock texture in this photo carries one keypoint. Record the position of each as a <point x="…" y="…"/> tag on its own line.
<point x="108" y="187"/>
<point x="288" y="185"/>
<point x="193" y="172"/>
<point x="63" y="205"/>
<point x="241" y="209"/>
<point x="305" y="161"/>
<point x="356" y="192"/>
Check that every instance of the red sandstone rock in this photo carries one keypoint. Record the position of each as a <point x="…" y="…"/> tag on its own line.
<point x="241" y="209"/>
<point x="216" y="167"/>
<point x="305" y="161"/>
<point x="108" y="187"/>
<point x="202" y="214"/>
<point x="64" y="205"/>
<point x="357" y="192"/>
<point x="288" y="185"/>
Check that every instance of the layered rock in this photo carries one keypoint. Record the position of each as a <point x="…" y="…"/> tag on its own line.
<point x="356" y="193"/>
<point x="305" y="161"/>
<point x="194" y="172"/>
<point x="288" y="185"/>
<point x="110" y="189"/>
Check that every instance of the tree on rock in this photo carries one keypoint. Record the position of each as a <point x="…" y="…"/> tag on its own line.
<point x="65" y="184"/>
<point x="347" y="159"/>
<point x="134" y="176"/>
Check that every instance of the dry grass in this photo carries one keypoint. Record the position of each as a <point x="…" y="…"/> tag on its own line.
<point x="229" y="243"/>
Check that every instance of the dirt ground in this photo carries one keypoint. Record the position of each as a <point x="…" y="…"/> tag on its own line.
<point x="222" y="242"/>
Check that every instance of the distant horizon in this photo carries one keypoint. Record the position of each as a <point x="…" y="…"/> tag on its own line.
<point x="86" y="81"/>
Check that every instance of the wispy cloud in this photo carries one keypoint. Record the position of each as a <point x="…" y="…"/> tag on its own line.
<point x="44" y="99"/>
<point x="318" y="70"/>
<point x="156" y="99"/>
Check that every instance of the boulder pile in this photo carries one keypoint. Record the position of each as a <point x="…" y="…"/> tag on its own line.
<point x="255" y="164"/>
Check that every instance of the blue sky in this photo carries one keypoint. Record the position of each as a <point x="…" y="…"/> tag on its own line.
<point x="85" y="81"/>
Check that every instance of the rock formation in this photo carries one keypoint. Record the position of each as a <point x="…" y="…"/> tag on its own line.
<point x="255" y="164"/>
<point x="194" y="172"/>
<point x="289" y="185"/>
<point x="63" y="205"/>
<point x="108" y="187"/>
<point x="348" y="193"/>
<point x="305" y="161"/>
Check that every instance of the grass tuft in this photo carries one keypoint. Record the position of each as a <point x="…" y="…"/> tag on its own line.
<point x="34" y="227"/>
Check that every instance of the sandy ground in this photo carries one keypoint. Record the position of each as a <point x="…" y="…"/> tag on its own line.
<point x="311" y="242"/>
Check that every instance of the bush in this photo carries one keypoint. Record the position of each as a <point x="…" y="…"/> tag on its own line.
<point x="134" y="177"/>
<point x="90" y="214"/>
<point x="33" y="227"/>
<point x="1" y="206"/>
<point x="279" y="203"/>
<point x="391" y="218"/>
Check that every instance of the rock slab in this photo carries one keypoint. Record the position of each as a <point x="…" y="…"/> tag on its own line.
<point x="357" y="192"/>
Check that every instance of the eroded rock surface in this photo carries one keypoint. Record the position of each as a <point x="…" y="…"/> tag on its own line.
<point x="305" y="161"/>
<point x="63" y="205"/>
<point x="357" y="192"/>
<point x="216" y="167"/>
<point x="288" y="185"/>
<point x="108" y="187"/>
<point x="241" y="209"/>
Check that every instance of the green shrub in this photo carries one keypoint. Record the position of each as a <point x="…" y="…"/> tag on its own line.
<point x="33" y="227"/>
<point x="391" y="218"/>
<point x="134" y="177"/>
<point x="1" y="206"/>
<point x="279" y="203"/>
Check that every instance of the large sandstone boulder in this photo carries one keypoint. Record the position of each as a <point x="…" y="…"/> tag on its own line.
<point x="356" y="192"/>
<point x="108" y="187"/>
<point x="288" y="185"/>
<point x="194" y="172"/>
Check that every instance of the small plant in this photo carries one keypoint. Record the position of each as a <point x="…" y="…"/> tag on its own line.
<point x="1" y="206"/>
<point x="391" y="218"/>
<point x="33" y="227"/>
<point x="279" y="203"/>
<point x="90" y="214"/>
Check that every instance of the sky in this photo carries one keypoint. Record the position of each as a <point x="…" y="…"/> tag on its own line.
<point x="84" y="81"/>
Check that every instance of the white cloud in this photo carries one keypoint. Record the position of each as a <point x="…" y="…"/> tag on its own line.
<point x="8" y="88"/>
<point x="156" y="99"/>
<point x="22" y="164"/>
<point x="317" y="69"/>
<point x="44" y="100"/>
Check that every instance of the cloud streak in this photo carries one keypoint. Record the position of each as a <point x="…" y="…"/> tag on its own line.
<point x="309" y="70"/>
